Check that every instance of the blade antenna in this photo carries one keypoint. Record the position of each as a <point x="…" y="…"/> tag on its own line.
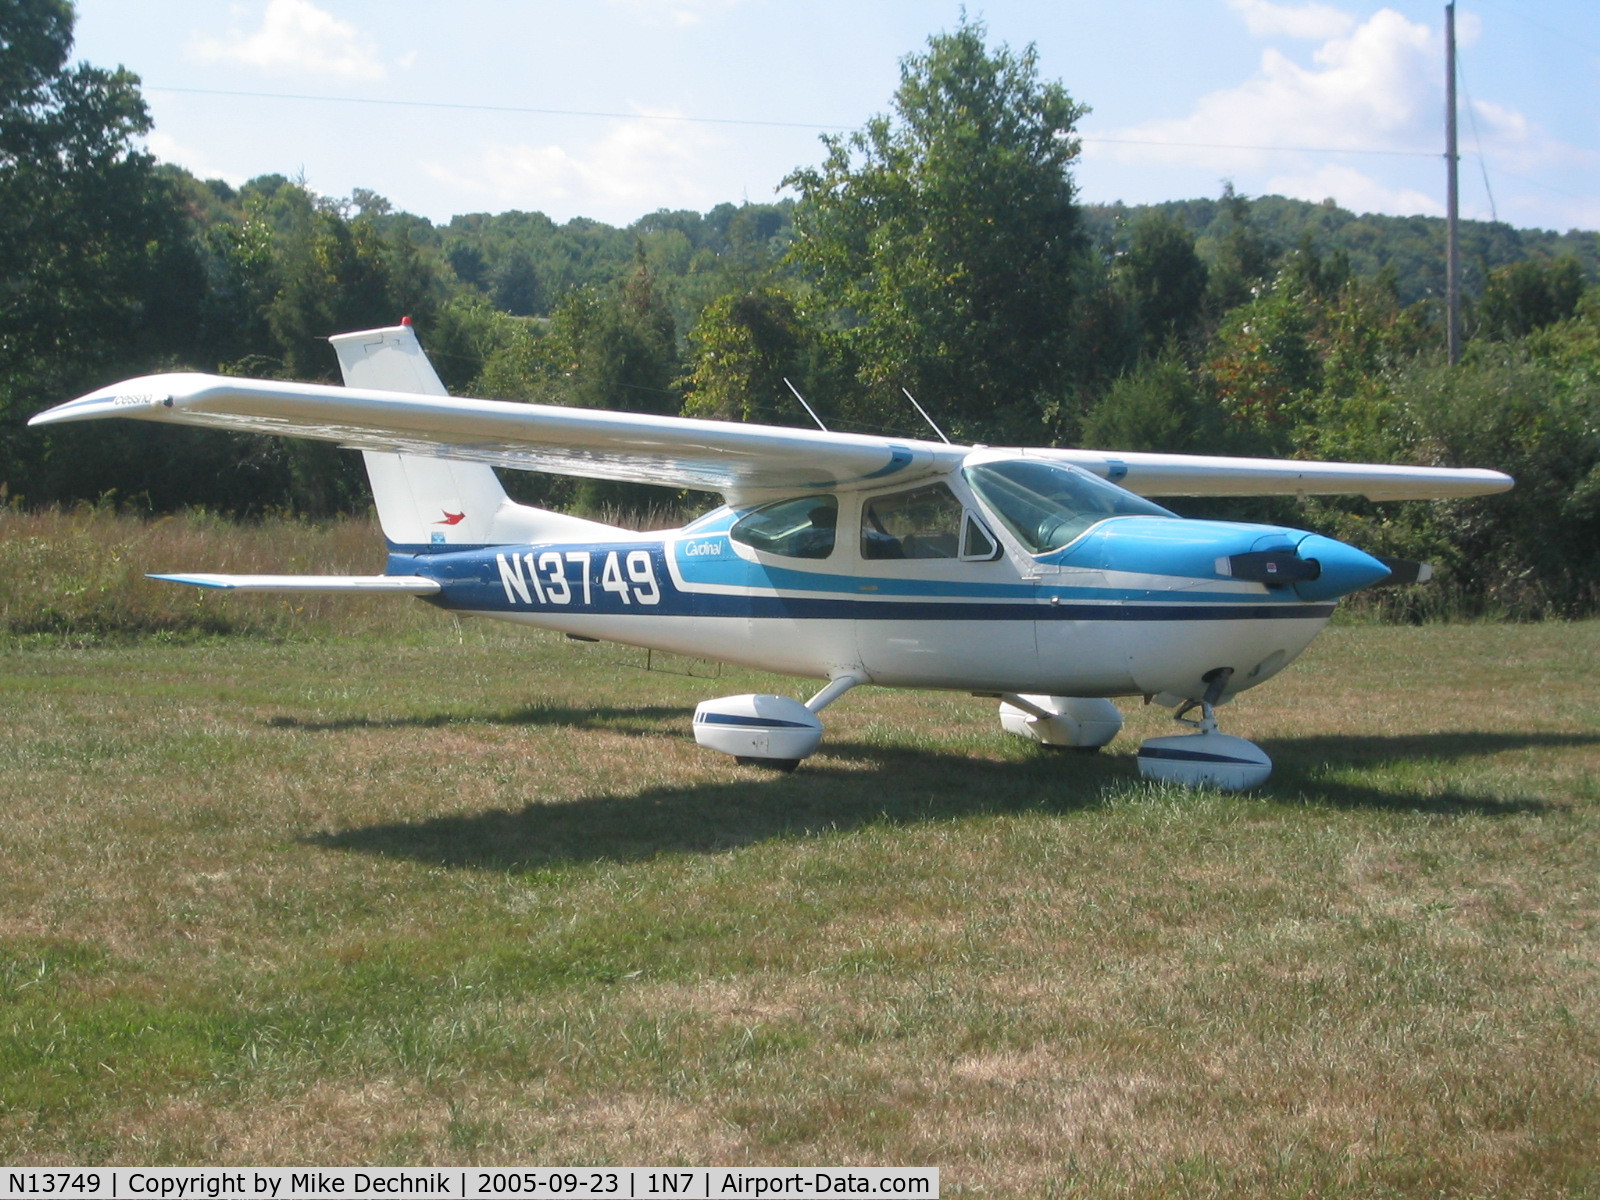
<point x="804" y="405"/>
<point x="926" y="417"/>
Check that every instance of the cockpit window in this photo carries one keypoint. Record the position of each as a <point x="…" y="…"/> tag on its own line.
<point x="1049" y="504"/>
<point x="801" y="528"/>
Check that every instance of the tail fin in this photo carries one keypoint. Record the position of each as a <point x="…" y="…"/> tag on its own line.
<point x="435" y="503"/>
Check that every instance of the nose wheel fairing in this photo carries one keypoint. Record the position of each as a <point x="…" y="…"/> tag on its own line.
<point x="1205" y="758"/>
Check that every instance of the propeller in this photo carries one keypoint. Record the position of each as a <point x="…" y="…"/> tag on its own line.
<point x="1405" y="571"/>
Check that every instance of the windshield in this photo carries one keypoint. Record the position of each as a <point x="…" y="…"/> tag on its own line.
<point x="1049" y="504"/>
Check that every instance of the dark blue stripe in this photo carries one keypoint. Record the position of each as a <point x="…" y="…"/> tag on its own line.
<point x="754" y="722"/>
<point x="1195" y="756"/>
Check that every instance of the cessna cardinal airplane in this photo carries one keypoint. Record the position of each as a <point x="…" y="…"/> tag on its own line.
<point x="1044" y="578"/>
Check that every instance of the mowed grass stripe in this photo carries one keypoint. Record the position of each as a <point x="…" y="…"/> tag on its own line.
<point x="461" y="893"/>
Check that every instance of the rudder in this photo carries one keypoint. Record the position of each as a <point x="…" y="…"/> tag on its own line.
<point x="428" y="502"/>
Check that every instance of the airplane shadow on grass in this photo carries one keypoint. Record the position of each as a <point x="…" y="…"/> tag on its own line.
<point x="639" y="719"/>
<point x="851" y="785"/>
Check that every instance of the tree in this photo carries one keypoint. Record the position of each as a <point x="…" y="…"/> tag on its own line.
<point x="98" y="274"/>
<point x="1263" y="363"/>
<point x="515" y="286"/>
<point x="743" y="347"/>
<point x="1242" y="258"/>
<point x="1161" y="406"/>
<point x="1164" y="278"/>
<point x="1529" y="295"/>
<point x="942" y="239"/>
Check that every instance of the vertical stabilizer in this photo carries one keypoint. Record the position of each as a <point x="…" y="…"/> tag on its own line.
<point x="421" y="501"/>
<point x="437" y="503"/>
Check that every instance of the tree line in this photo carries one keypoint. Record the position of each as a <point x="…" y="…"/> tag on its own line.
<point x="942" y="249"/>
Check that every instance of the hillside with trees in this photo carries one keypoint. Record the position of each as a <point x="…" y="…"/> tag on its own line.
<point x="942" y="248"/>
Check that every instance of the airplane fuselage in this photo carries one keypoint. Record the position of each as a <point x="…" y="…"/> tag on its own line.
<point x="1133" y="605"/>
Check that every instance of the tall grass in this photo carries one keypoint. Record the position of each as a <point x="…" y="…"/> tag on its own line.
<point x="78" y="576"/>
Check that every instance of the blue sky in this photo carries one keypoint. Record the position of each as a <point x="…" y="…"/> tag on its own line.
<point x="613" y="108"/>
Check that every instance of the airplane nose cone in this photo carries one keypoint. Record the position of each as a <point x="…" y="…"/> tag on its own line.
<point x="1344" y="569"/>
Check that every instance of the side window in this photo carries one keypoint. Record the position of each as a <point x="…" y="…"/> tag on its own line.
<point x="977" y="543"/>
<point x="804" y="527"/>
<point x="928" y="522"/>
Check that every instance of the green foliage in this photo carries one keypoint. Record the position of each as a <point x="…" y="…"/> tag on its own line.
<point x="742" y="349"/>
<point x="96" y="271"/>
<point x="943" y="239"/>
<point x="1529" y="295"/>
<point x="1241" y="255"/>
<point x="1263" y="364"/>
<point x="1532" y="552"/>
<point x="1164" y="278"/>
<point x="1162" y="406"/>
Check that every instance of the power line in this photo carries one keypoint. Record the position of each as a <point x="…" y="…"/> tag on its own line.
<point x="1562" y="37"/>
<point x="814" y="126"/>
<point x="498" y="108"/>
<point x="1245" y="146"/>
<point x="1477" y="139"/>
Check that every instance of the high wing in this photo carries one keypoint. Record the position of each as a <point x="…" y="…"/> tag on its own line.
<point x="1215" y="475"/>
<point x="740" y="461"/>
<point x="716" y="456"/>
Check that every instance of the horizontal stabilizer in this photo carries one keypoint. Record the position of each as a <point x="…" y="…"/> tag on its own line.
<point x="405" y="585"/>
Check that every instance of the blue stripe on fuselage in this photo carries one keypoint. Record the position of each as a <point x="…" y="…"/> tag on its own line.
<point x="632" y="578"/>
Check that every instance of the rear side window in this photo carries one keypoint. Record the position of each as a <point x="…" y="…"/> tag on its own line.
<point x="805" y="527"/>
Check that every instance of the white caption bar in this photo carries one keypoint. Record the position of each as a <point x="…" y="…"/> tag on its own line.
<point x="467" y="1183"/>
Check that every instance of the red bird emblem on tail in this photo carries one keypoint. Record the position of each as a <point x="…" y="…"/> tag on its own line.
<point x="451" y="518"/>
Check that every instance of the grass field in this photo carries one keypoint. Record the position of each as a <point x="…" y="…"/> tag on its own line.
<point x="453" y="893"/>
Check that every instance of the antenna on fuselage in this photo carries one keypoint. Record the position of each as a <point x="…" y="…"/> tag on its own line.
<point x="804" y="405"/>
<point x="931" y="424"/>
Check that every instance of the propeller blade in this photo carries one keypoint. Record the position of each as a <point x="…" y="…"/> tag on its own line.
<point x="1405" y="571"/>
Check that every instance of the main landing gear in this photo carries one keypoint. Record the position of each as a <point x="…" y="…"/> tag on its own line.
<point x="761" y="730"/>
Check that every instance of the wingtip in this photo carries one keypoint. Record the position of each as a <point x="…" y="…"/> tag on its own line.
<point x="204" y="581"/>
<point x="129" y="398"/>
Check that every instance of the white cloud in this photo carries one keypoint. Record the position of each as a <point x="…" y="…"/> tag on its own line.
<point x="640" y="165"/>
<point x="1354" y="190"/>
<point x="1366" y="91"/>
<point x="1376" y="86"/>
<point x="297" y="37"/>
<point x="1373" y="86"/>
<point x="170" y="150"/>
<point x="1315" y="22"/>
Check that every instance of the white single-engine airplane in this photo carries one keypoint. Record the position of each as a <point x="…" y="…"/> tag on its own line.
<point x="1041" y="577"/>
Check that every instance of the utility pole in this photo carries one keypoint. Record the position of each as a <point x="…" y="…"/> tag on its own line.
<point x="1452" y="259"/>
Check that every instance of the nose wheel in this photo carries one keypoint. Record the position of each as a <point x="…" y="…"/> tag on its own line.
<point x="1206" y="757"/>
